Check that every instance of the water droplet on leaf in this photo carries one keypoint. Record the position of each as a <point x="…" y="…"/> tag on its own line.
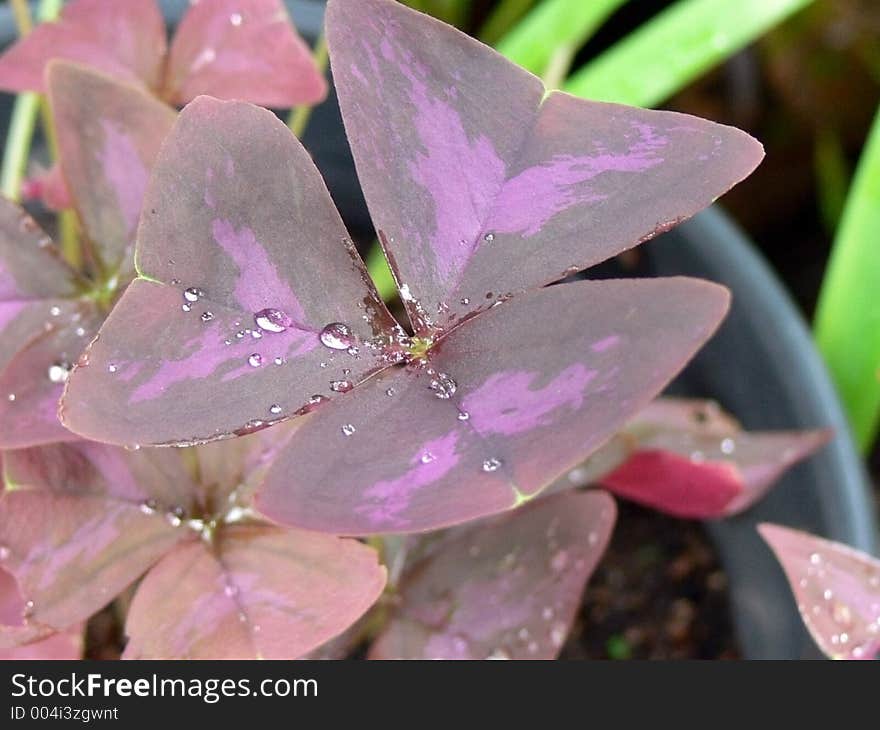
<point x="337" y="336"/>
<point x="348" y="429"/>
<point x="341" y="386"/>
<point x="272" y="320"/>
<point x="443" y="386"/>
<point x="255" y="360"/>
<point x="58" y="373"/>
<point x="490" y="465"/>
<point x="192" y="294"/>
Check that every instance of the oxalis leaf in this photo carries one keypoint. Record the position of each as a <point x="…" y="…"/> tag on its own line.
<point x="20" y="640"/>
<point x="109" y="134"/>
<point x="236" y="49"/>
<point x="508" y="588"/>
<point x="837" y="590"/>
<point x="252" y="306"/>
<point x="83" y="521"/>
<point x="689" y="459"/>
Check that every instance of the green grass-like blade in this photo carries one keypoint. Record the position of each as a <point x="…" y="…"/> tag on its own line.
<point x="675" y="47"/>
<point x="553" y="24"/>
<point x="848" y="315"/>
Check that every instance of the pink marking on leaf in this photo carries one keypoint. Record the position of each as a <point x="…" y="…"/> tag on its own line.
<point x="431" y="462"/>
<point x="531" y="198"/>
<point x="259" y="284"/>
<point x="606" y="343"/>
<point x="506" y="404"/>
<point x="125" y="171"/>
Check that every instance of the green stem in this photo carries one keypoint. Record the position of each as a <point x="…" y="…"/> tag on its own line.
<point x="502" y="19"/>
<point x="18" y="144"/>
<point x="17" y="150"/>
<point x="299" y="117"/>
<point x="559" y="66"/>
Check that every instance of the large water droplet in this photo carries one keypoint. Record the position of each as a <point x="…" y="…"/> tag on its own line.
<point x="58" y="372"/>
<point x="463" y="416"/>
<point x="427" y="457"/>
<point x="207" y="316"/>
<point x="274" y="409"/>
<point x="149" y="506"/>
<point x="255" y="360"/>
<point x="490" y="465"/>
<point x="192" y="294"/>
<point x="272" y="320"/>
<point x="443" y="386"/>
<point x="348" y="429"/>
<point x="341" y="386"/>
<point x="337" y="336"/>
<point x="489" y="237"/>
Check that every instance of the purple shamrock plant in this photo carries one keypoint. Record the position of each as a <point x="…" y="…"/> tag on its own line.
<point x="109" y="134"/>
<point x="81" y="522"/>
<point x="231" y="49"/>
<point x="252" y="306"/>
<point x="837" y="590"/>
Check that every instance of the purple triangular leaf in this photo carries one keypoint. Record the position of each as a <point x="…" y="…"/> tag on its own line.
<point x="483" y="185"/>
<point x="125" y="39"/>
<point x="242" y="49"/>
<point x="245" y="262"/>
<point x="109" y="134"/>
<point x="504" y="589"/>
<point x="688" y="459"/>
<point x="506" y="402"/>
<point x="261" y="593"/>
<point x="837" y="590"/>
<point x="80" y="522"/>
<point x="43" y="329"/>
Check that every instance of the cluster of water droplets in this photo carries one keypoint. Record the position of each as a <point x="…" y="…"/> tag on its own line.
<point x="844" y="640"/>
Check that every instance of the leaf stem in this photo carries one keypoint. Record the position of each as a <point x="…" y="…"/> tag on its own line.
<point x="299" y="116"/>
<point x="502" y="19"/>
<point x="16" y="153"/>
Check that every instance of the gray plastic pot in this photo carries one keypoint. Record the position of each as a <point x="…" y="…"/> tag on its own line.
<point x="761" y="366"/>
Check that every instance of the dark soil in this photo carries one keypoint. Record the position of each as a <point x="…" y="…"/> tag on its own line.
<point x="659" y="593"/>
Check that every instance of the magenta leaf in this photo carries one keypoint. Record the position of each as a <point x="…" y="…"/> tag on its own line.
<point x="44" y="327"/>
<point x="252" y="306"/>
<point x="80" y="522"/>
<point x="109" y="134"/>
<point x="245" y="262"/>
<point x="481" y="182"/>
<point x="837" y="590"/>
<point x="242" y="49"/>
<point x="688" y="459"/>
<point x="15" y="631"/>
<point x="262" y="592"/>
<point x="508" y="401"/>
<point x="125" y="39"/>
<point x="504" y="589"/>
<point x="20" y="640"/>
